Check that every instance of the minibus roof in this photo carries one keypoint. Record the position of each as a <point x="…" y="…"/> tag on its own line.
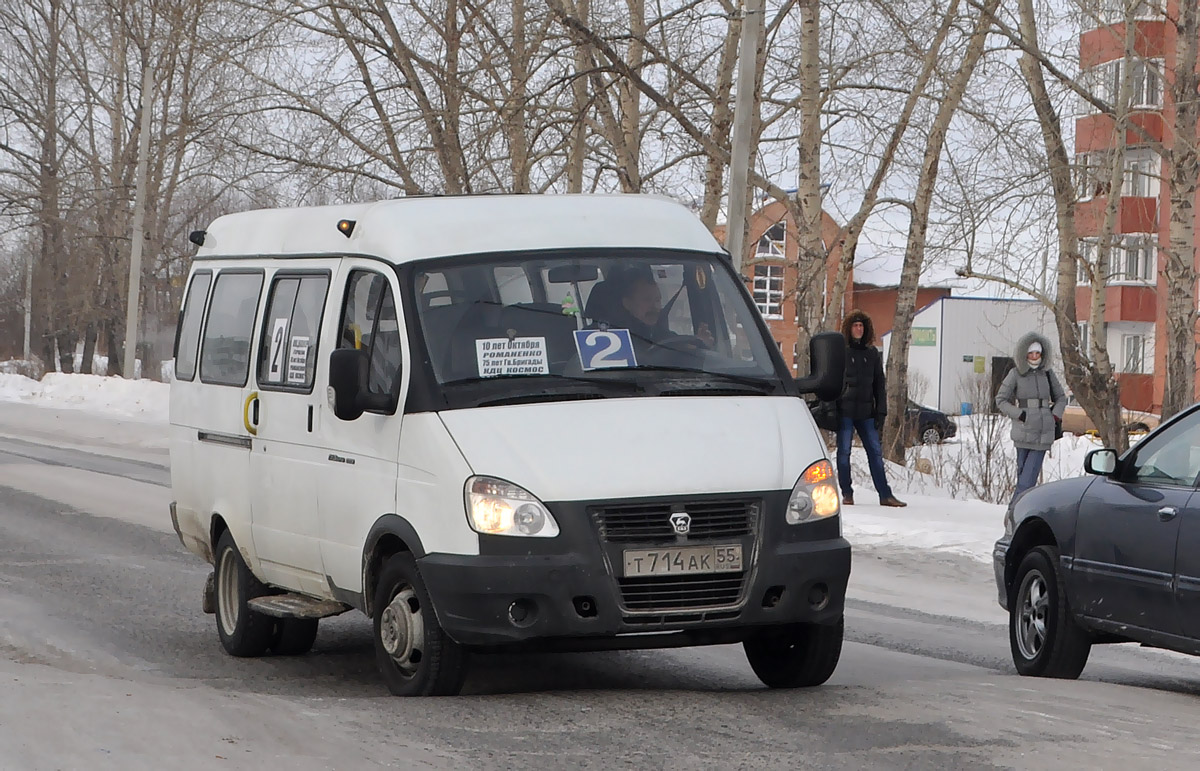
<point x="418" y="228"/>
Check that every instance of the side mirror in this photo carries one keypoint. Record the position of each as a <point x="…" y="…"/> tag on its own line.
<point x="827" y="352"/>
<point x="1100" y="462"/>
<point x="348" y="379"/>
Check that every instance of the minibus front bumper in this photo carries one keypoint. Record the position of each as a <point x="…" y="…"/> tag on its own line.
<point x="569" y="592"/>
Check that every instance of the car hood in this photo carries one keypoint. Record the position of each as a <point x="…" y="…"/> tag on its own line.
<point x="639" y="447"/>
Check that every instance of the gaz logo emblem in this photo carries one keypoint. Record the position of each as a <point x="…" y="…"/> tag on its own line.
<point x="682" y="522"/>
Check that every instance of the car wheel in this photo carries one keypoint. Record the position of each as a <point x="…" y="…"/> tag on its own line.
<point x="415" y="655"/>
<point x="931" y="435"/>
<point x="1046" y="640"/>
<point x="796" y="656"/>
<point x="294" y="636"/>
<point x="243" y="632"/>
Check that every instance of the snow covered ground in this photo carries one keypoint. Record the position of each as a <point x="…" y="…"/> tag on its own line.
<point x="944" y="514"/>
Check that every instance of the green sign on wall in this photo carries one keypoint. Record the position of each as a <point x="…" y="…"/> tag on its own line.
<point x="924" y="335"/>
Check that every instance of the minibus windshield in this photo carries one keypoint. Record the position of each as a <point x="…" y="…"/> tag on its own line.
<point x="611" y="319"/>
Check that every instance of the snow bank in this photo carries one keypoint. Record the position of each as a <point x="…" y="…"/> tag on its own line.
<point x="113" y="396"/>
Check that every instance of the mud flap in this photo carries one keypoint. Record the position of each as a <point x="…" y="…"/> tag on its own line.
<point x="209" y="602"/>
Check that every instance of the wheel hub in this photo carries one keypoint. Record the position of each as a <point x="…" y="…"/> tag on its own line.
<point x="1031" y="619"/>
<point x="227" y="592"/>
<point x="402" y="630"/>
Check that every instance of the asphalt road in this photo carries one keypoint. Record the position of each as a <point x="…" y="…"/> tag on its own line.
<point x="106" y="661"/>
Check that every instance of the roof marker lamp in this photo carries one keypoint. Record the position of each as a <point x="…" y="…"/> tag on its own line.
<point x="346" y="227"/>
<point x="496" y="507"/>
<point x="815" y="495"/>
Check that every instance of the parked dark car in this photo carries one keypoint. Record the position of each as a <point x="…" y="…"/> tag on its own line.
<point x="1112" y="557"/>
<point x="927" y="425"/>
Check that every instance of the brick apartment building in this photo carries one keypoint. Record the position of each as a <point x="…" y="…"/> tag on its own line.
<point x="1135" y="314"/>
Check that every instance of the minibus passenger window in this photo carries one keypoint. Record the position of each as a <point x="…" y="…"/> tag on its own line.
<point x="225" y="357"/>
<point x="189" y="329"/>
<point x="288" y="350"/>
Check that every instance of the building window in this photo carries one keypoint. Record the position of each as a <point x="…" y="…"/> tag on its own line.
<point x="773" y="242"/>
<point x="1133" y="353"/>
<point x="1141" y="174"/>
<point x="1139" y="255"/>
<point x="1087" y="262"/>
<point x="795" y="355"/>
<point x="1101" y="12"/>
<point x="1147" y="83"/>
<point x="1092" y="174"/>
<point x="768" y="290"/>
<point x="1085" y="339"/>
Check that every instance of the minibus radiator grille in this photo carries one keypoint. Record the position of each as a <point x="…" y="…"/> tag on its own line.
<point x="681" y="592"/>
<point x="651" y="522"/>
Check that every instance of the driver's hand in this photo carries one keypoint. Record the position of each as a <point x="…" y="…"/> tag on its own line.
<point x="705" y="334"/>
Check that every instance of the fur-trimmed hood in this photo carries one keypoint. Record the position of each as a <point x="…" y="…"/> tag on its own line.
<point x="1022" y="349"/>
<point x="868" y="337"/>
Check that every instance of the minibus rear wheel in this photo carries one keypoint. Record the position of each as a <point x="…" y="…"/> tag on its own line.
<point x="293" y="636"/>
<point x="415" y="655"/>
<point x="796" y="656"/>
<point x="243" y="632"/>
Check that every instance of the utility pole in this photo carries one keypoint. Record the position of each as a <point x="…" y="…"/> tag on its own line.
<point x="28" y="303"/>
<point x="743" y="127"/>
<point x="139" y="216"/>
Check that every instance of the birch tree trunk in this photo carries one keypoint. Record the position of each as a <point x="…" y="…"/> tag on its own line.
<point x="1179" y="390"/>
<point x="914" y="253"/>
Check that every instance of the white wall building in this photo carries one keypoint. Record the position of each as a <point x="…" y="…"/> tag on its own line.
<point x="961" y="347"/>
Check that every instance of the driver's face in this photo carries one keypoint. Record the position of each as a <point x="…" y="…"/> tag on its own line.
<point x="644" y="302"/>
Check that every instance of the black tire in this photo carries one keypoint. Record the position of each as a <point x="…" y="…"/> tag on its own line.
<point x="293" y="636"/>
<point x="426" y="661"/>
<point x="1045" y="638"/>
<point x="797" y="656"/>
<point x="243" y="632"/>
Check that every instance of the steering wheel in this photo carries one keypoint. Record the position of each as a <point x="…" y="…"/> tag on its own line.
<point x="683" y="343"/>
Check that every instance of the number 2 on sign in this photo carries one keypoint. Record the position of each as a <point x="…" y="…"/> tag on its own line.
<point x="605" y="349"/>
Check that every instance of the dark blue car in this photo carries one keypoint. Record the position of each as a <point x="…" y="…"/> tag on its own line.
<point x="1112" y="557"/>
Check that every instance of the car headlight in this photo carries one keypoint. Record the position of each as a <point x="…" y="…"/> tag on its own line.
<point x="815" y="495"/>
<point x="496" y="507"/>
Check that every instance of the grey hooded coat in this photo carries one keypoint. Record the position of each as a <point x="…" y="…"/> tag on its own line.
<point x="1035" y="394"/>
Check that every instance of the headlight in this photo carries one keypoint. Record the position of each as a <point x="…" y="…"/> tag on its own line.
<point x="815" y="495"/>
<point x="496" y="507"/>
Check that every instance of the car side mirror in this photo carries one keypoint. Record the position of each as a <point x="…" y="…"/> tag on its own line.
<point x="347" y="380"/>
<point x="1100" y="462"/>
<point x="827" y="352"/>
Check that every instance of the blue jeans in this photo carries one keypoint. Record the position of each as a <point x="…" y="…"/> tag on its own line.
<point x="1029" y="468"/>
<point x="870" y="441"/>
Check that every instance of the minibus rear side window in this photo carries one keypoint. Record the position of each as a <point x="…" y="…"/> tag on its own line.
<point x="229" y="328"/>
<point x="188" y="342"/>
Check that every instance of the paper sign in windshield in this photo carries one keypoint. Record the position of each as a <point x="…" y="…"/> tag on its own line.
<point x="605" y="349"/>
<point x="520" y="356"/>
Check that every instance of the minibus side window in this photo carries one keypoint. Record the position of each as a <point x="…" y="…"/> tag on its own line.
<point x="288" y="349"/>
<point x="188" y="343"/>
<point x="369" y="323"/>
<point x="229" y="328"/>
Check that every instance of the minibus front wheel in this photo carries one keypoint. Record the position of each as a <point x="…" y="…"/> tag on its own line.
<point x="796" y="656"/>
<point x="415" y="655"/>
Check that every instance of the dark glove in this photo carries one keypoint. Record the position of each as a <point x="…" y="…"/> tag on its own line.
<point x="1021" y="417"/>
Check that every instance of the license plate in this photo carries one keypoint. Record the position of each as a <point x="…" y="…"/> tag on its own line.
<point x="684" y="559"/>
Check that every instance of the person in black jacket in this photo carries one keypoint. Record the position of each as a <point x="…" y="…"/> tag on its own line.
<point x="862" y="407"/>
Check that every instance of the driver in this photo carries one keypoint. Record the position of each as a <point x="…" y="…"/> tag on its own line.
<point x="641" y="305"/>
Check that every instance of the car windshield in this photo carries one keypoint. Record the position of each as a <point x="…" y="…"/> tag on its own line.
<point x="535" y="321"/>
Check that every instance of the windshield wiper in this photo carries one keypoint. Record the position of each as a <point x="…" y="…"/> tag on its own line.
<point x="762" y="384"/>
<point x="537" y="380"/>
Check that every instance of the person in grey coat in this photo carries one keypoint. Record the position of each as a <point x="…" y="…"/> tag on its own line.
<point x="1032" y="396"/>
